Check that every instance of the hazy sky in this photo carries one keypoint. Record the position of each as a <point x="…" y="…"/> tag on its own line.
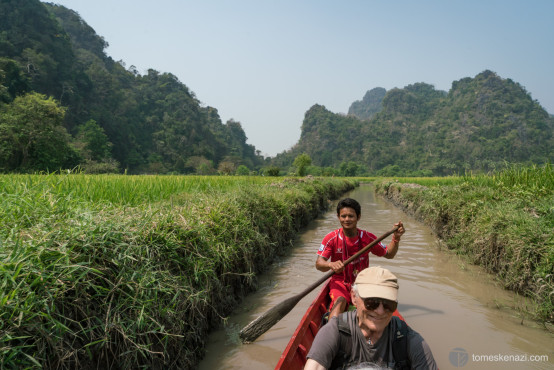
<point x="265" y="63"/>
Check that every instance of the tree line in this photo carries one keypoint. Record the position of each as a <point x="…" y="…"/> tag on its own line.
<point x="65" y="104"/>
<point x="56" y="82"/>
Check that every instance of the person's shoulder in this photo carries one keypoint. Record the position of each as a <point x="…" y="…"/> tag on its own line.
<point x="413" y="335"/>
<point x="332" y="234"/>
<point x="397" y="323"/>
<point x="415" y="340"/>
<point x="366" y="235"/>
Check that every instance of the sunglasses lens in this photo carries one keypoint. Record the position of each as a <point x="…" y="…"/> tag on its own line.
<point x="373" y="303"/>
<point x="390" y="305"/>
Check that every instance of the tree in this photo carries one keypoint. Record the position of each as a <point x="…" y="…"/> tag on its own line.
<point x="32" y="136"/>
<point x="301" y="162"/>
<point x="226" y="167"/>
<point x="205" y="168"/>
<point x="96" y="145"/>
<point x="242" y="170"/>
<point x="13" y="79"/>
<point x="95" y="148"/>
<point x="272" y="171"/>
<point x="349" y="169"/>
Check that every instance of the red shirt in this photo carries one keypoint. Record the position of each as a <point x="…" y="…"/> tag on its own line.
<point x="333" y="247"/>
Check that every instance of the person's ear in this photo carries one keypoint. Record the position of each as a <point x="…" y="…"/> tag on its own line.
<point x="353" y="297"/>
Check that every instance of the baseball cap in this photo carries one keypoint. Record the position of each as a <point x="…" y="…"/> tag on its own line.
<point x="377" y="282"/>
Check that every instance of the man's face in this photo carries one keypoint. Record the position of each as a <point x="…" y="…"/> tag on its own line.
<point x="371" y="320"/>
<point x="348" y="218"/>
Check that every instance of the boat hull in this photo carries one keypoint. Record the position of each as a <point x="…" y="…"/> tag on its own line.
<point x="294" y="355"/>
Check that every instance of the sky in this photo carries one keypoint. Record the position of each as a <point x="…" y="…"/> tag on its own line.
<point x="264" y="63"/>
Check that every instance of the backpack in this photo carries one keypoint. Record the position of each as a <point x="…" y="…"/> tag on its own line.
<point x="399" y="344"/>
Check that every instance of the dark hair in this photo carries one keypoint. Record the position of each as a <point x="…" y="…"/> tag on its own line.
<point x="349" y="203"/>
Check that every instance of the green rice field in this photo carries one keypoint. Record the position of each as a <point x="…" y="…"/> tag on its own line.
<point x="132" y="271"/>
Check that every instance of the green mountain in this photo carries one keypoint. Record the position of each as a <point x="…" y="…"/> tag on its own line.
<point x="114" y="119"/>
<point x="481" y="124"/>
<point x="371" y="104"/>
<point x="65" y="103"/>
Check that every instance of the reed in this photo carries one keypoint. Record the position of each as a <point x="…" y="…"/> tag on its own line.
<point x="132" y="271"/>
<point x="502" y="221"/>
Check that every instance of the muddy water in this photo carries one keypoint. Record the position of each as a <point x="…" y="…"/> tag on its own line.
<point x="458" y="309"/>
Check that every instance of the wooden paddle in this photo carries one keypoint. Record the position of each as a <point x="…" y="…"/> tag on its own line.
<point x="269" y="318"/>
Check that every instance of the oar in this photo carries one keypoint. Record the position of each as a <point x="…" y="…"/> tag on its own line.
<point x="269" y="318"/>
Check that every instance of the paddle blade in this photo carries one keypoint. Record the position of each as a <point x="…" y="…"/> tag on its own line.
<point x="266" y="320"/>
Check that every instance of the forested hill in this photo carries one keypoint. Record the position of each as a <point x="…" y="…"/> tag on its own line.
<point x="65" y="103"/>
<point x="481" y="124"/>
<point x="91" y="111"/>
<point x="370" y="105"/>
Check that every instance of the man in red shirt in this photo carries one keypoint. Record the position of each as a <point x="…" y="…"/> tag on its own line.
<point x="341" y="244"/>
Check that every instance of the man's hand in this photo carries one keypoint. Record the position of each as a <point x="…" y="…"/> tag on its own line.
<point x="313" y="365"/>
<point x="325" y="265"/>
<point x="398" y="233"/>
<point x="336" y="266"/>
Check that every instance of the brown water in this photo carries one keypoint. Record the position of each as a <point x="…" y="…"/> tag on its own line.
<point x="452" y="304"/>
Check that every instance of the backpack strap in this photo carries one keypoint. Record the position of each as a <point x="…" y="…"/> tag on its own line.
<point x="343" y="324"/>
<point x="400" y="344"/>
<point x="341" y="359"/>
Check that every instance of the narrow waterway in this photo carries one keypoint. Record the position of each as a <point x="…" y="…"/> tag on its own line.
<point x="456" y="307"/>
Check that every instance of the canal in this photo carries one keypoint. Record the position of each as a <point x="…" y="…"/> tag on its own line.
<point x="458" y="308"/>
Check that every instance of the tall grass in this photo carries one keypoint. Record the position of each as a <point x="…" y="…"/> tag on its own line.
<point x="130" y="272"/>
<point x="534" y="178"/>
<point x="125" y="190"/>
<point x="503" y="222"/>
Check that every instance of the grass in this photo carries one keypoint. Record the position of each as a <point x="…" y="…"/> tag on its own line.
<point x="124" y="190"/>
<point x="502" y="221"/>
<point x="126" y="272"/>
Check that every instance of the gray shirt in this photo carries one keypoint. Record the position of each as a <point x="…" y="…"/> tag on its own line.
<point x="327" y="344"/>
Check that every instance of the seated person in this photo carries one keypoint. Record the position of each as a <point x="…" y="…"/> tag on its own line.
<point x="370" y="334"/>
<point x="341" y="244"/>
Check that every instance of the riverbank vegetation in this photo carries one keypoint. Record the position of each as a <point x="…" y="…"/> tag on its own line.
<point x="502" y="222"/>
<point x="122" y="271"/>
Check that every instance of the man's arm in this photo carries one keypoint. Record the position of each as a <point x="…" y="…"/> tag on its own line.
<point x="392" y="248"/>
<point x="324" y="265"/>
<point x="313" y="365"/>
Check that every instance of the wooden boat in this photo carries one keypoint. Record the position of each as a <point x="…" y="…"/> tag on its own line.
<point x="294" y="355"/>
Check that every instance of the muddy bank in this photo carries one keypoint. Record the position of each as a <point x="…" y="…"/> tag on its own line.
<point x="509" y="236"/>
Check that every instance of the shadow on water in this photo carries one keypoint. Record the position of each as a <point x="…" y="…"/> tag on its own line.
<point x="407" y="310"/>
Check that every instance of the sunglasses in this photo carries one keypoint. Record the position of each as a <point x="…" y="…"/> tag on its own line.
<point x="373" y="303"/>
